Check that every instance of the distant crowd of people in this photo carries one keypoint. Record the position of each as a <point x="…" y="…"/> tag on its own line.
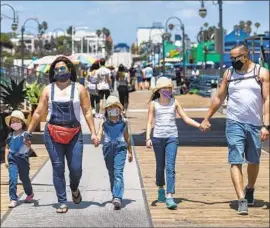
<point x="101" y="81"/>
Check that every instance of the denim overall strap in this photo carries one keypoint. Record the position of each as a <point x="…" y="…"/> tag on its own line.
<point x="63" y="112"/>
<point x="72" y="91"/>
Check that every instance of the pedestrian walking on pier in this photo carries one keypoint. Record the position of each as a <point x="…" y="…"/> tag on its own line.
<point x="64" y="98"/>
<point x="92" y="81"/>
<point x="162" y="111"/>
<point x="115" y="147"/>
<point x="104" y="83"/>
<point x="17" y="157"/>
<point x="139" y="77"/>
<point x="246" y="85"/>
<point x="123" y="80"/>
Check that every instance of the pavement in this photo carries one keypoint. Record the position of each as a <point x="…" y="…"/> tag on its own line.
<point x="96" y="209"/>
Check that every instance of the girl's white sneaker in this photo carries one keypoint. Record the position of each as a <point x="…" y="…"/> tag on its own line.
<point x="13" y="203"/>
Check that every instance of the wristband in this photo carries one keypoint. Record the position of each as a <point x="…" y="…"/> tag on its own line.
<point x="27" y="136"/>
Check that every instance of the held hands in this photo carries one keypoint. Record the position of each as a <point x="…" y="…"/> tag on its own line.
<point x="6" y="164"/>
<point x="95" y="140"/>
<point x="27" y="142"/>
<point x="264" y="134"/>
<point x="27" y="139"/>
<point x="205" y="125"/>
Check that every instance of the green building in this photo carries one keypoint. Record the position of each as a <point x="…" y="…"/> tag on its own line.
<point x="205" y="51"/>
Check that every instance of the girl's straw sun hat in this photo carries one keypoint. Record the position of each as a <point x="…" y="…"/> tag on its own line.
<point x="162" y="82"/>
<point x="112" y="100"/>
<point x="17" y="114"/>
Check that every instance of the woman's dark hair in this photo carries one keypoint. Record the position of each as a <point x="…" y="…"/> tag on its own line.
<point x="102" y="61"/>
<point x="121" y="68"/>
<point x="69" y="64"/>
<point x="95" y="66"/>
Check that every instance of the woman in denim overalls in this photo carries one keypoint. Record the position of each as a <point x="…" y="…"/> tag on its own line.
<point x="16" y="158"/>
<point x="116" y="144"/>
<point x="63" y="137"/>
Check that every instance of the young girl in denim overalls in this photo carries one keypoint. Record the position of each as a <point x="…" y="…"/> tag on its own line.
<point x="162" y="111"/>
<point x="116" y="145"/>
<point x="16" y="158"/>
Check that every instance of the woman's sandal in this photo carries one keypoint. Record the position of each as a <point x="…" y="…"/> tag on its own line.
<point x="77" y="199"/>
<point x="62" y="209"/>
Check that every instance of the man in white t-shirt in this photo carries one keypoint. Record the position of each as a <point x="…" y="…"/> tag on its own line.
<point x="104" y="83"/>
<point x="147" y="75"/>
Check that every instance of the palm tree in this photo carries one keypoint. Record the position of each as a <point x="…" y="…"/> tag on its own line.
<point x="69" y="30"/>
<point x="106" y="32"/>
<point x="98" y="32"/>
<point x="242" y="25"/>
<point x="248" y="26"/>
<point x="257" y="25"/>
<point x="45" y="26"/>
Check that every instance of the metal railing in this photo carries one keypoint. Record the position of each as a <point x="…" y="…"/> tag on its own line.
<point x="18" y="73"/>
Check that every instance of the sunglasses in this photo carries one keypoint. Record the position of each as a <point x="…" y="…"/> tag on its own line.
<point x="236" y="57"/>
<point x="62" y="69"/>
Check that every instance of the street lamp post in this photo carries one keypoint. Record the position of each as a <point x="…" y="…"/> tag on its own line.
<point x="203" y="13"/>
<point x="72" y="40"/>
<point x="22" y="38"/>
<point x="56" y="35"/>
<point x="171" y="26"/>
<point x="59" y="29"/>
<point x="14" y="25"/>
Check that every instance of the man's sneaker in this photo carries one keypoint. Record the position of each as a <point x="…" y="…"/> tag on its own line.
<point x="13" y="203"/>
<point x="249" y="195"/>
<point x="170" y="203"/>
<point x="242" y="207"/>
<point x="117" y="203"/>
<point x="161" y="195"/>
<point x="29" y="198"/>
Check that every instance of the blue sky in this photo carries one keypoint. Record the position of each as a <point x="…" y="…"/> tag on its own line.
<point x="124" y="17"/>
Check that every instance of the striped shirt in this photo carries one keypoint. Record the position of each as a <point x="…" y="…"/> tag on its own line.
<point x="165" y="120"/>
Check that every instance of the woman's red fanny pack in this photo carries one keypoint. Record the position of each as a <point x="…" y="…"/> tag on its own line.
<point x="62" y="135"/>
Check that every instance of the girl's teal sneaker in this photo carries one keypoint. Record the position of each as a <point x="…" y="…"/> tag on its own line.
<point x="161" y="195"/>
